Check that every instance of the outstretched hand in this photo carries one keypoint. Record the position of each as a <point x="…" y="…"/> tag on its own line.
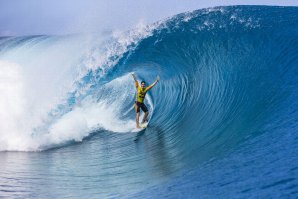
<point x="157" y="78"/>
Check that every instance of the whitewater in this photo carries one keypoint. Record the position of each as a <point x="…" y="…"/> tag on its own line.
<point x="223" y="118"/>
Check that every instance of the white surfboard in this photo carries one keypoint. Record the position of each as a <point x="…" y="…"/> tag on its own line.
<point x="144" y="125"/>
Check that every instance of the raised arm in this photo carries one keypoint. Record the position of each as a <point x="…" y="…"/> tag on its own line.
<point x="153" y="84"/>
<point x="134" y="77"/>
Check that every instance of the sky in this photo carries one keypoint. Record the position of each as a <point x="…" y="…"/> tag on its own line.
<point x="60" y="17"/>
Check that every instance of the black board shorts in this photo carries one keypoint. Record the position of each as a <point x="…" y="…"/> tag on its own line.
<point x="142" y="106"/>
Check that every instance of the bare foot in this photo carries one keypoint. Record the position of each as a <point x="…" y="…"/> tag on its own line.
<point x="138" y="127"/>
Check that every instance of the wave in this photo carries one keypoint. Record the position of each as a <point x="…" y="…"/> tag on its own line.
<point x="225" y="72"/>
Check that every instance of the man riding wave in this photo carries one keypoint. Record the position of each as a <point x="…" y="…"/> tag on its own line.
<point x="139" y="103"/>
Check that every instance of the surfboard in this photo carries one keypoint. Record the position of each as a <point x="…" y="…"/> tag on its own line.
<point x="144" y="125"/>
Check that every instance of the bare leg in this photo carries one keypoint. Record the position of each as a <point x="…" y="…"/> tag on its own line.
<point x="137" y="119"/>
<point x="145" y="119"/>
<point x="137" y="116"/>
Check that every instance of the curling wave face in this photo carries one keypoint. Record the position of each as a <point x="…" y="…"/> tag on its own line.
<point x="220" y="79"/>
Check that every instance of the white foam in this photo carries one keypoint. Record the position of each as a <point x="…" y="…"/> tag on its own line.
<point x="91" y="114"/>
<point x="36" y="78"/>
<point x="13" y="105"/>
<point x="107" y="112"/>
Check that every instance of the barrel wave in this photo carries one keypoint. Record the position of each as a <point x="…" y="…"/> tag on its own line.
<point x="226" y="105"/>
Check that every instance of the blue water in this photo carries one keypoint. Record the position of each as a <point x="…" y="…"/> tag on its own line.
<point x="223" y="118"/>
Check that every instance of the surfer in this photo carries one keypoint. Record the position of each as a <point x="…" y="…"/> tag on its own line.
<point x="139" y="103"/>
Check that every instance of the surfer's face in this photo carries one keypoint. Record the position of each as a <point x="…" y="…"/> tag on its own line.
<point x="143" y="85"/>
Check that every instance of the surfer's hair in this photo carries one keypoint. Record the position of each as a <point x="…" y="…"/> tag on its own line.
<point x="143" y="82"/>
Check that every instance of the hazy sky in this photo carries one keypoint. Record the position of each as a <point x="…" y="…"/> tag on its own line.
<point x="31" y="17"/>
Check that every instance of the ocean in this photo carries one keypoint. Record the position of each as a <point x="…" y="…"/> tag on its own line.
<point x="223" y="118"/>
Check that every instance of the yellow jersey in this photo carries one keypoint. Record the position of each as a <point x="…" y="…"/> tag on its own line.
<point x="141" y="93"/>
